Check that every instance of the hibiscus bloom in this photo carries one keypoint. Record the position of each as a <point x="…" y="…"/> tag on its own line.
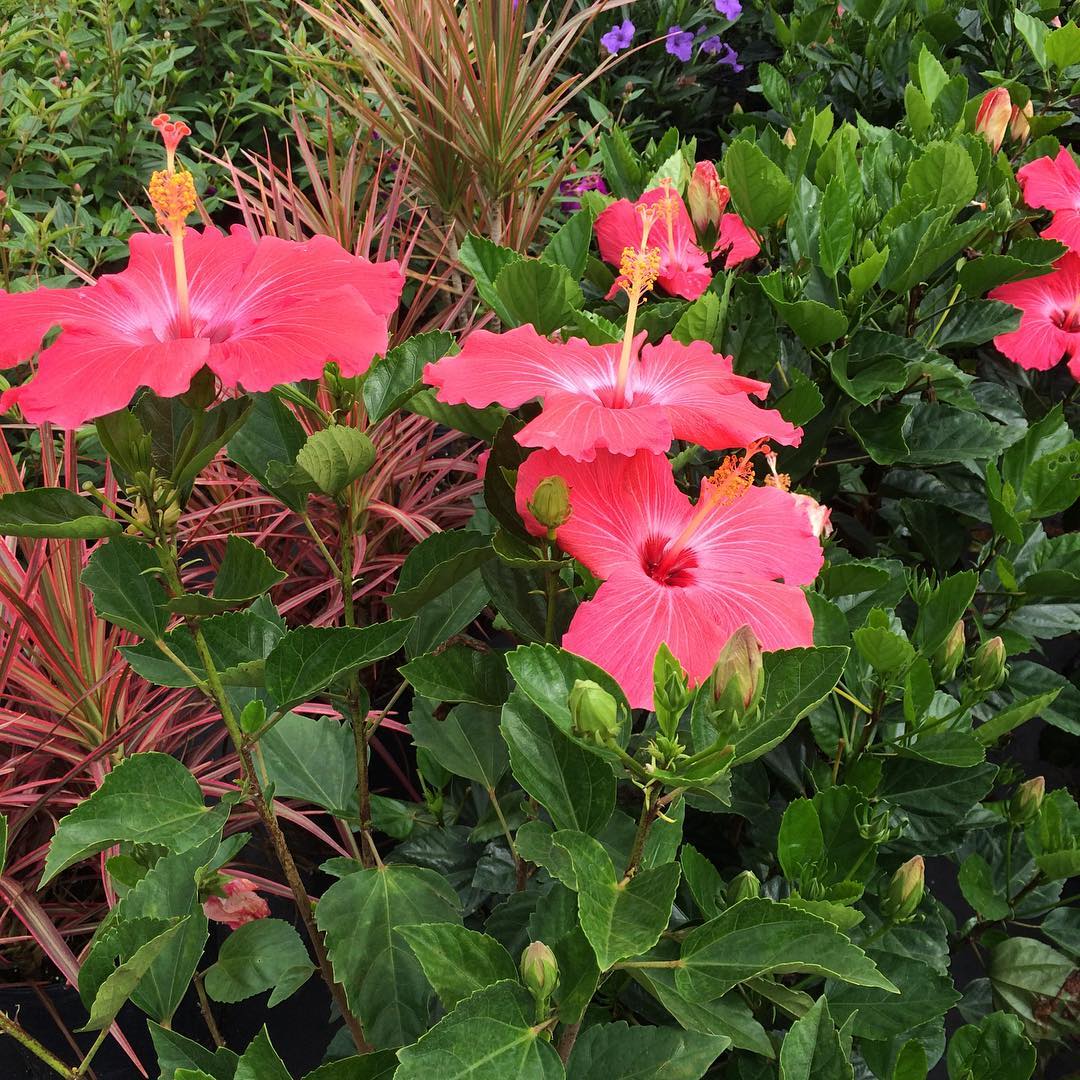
<point x="672" y="391"/>
<point x="241" y="904"/>
<point x="263" y="312"/>
<point x="1050" y="324"/>
<point x="684" y="267"/>
<point x="1054" y="184"/>
<point x="674" y="573"/>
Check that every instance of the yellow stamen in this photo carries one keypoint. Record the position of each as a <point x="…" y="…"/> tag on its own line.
<point x="172" y="195"/>
<point x="638" y="271"/>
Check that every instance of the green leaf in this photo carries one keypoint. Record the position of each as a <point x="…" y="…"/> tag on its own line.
<point x="800" y="843"/>
<point x="1026" y="259"/>
<point x="54" y="512"/>
<point x="335" y="457"/>
<point x="1052" y="483"/>
<point x="260" y="1061"/>
<point x="575" y="786"/>
<point x="271" y="434"/>
<point x="123" y="980"/>
<point x="123" y="576"/>
<point x="394" y="378"/>
<point x="759" y="189"/>
<point x="467" y="742"/>
<point x="310" y="658"/>
<point x="1063" y="46"/>
<point x="246" y="573"/>
<point x="703" y="880"/>
<point x="837" y="228"/>
<point x="148" y="798"/>
<point x="620" y="1052"/>
<point x="976" y="880"/>
<point x="1020" y="712"/>
<point x="758" y="937"/>
<point x="174" y="1052"/>
<point x="946" y="604"/>
<point x="436" y="564"/>
<point x="489" y="1036"/>
<point x="539" y="293"/>
<point x="570" y="244"/>
<point x="864" y="275"/>
<point x="1034" y="33"/>
<point x="383" y="981"/>
<point x="700" y="321"/>
<point x="1025" y="974"/>
<point x="814" y="322"/>
<point x="620" y="919"/>
<point x="887" y="653"/>
<point x="459" y="673"/>
<point x="994" y="1049"/>
<point x="378" y="1065"/>
<point x="266" y="954"/>
<point x="875" y="1014"/>
<point x="942" y="176"/>
<point x="812" y="1049"/>
<point x="485" y="260"/>
<point x="457" y="962"/>
<point x="312" y="758"/>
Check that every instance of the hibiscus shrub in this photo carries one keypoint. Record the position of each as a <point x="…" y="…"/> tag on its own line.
<point x="717" y="700"/>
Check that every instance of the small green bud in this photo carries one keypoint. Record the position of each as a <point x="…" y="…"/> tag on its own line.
<point x="1026" y="802"/>
<point x="539" y="972"/>
<point x="988" y="665"/>
<point x="671" y="690"/>
<point x="949" y="653"/>
<point x="594" y="713"/>
<point x="905" y="891"/>
<point x="743" y="886"/>
<point x="550" y="502"/>
<point x="738" y="677"/>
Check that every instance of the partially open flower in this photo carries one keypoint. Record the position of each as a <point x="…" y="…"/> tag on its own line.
<point x="240" y="904"/>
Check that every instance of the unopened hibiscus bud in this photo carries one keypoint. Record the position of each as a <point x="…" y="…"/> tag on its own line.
<point x="706" y="198"/>
<point x="949" y="653"/>
<point x="905" y="891"/>
<point x="738" y="676"/>
<point x="539" y="972"/>
<point x="1025" y="804"/>
<point x="744" y="886"/>
<point x="988" y="665"/>
<point x="1019" y="128"/>
<point x="789" y="138"/>
<point x="594" y="713"/>
<point x="550" y="502"/>
<point x="238" y="905"/>
<point x="993" y="116"/>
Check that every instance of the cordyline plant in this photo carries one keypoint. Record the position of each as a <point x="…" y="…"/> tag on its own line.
<point x="474" y="95"/>
<point x="631" y="856"/>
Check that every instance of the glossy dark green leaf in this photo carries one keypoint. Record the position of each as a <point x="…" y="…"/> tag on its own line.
<point x="467" y="742"/>
<point x="124" y="576"/>
<point x="457" y="961"/>
<point x="56" y="513"/>
<point x="335" y="457"/>
<point x="436" y="564"/>
<point x="395" y="377"/>
<point x="459" y="673"/>
<point x="812" y="1049"/>
<point x="620" y="1052"/>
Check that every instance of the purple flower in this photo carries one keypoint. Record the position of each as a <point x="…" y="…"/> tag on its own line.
<point x="680" y="43"/>
<point x="730" y="9"/>
<point x="619" y="37"/>
<point x="724" y="54"/>
<point x="571" y="190"/>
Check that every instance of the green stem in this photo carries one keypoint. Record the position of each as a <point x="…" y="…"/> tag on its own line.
<point x="84" y="1065"/>
<point x="10" y="1027"/>
<point x="650" y="808"/>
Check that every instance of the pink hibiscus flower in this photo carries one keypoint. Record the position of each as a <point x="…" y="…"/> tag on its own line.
<point x="262" y="312"/>
<point x="684" y="267"/>
<point x="1050" y="324"/>
<point x="241" y="904"/>
<point x="1054" y="184"/>
<point x="675" y="573"/>
<point x="671" y="391"/>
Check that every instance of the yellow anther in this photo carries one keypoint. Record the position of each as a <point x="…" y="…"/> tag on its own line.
<point x="638" y="270"/>
<point x="778" y="480"/>
<point x="172" y="195"/>
<point x="735" y="475"/>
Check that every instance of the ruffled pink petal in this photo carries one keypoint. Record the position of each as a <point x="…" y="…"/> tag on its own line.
<point x="617" y="226"/>
<point x="735" y="235"/>
<point x="765" y="532"/>
<point x="27" y="317"/>
<point x="1051" y="183"/>
<point x="617" y="503"/>
<point x="240" y="904"/>
<point x="705" y="402"/>
<point x="299" y="300"/>
<point x="517" y="366"/>
<point x="1039" y="342"/>
<point x="1065" y="227"/>
<point x="1036" y="344"/>
<point x="86" y="374"/>
<point x="578" y="426"/>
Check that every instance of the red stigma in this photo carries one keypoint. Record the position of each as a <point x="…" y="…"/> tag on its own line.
<point x="171" y="131"/>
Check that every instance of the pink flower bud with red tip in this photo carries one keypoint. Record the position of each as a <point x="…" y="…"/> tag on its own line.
<point x="238" y="906"/>
<point x="992" y="119"/>
<point x="706" y="196"/>
<point x="1019" y="127"/>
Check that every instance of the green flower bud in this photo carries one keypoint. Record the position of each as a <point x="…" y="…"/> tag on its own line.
<point x="988" y="665"/>
<point x="1025" y="804"/>
<point x="539" y="972"/>
<point x="949" y="653"/>
<point x="594" y="713"/>
<point x="550" y="502"/>
<point x="738" y="677"/>
<point x="743" y="887"/>
<point x="905" y="891"/>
